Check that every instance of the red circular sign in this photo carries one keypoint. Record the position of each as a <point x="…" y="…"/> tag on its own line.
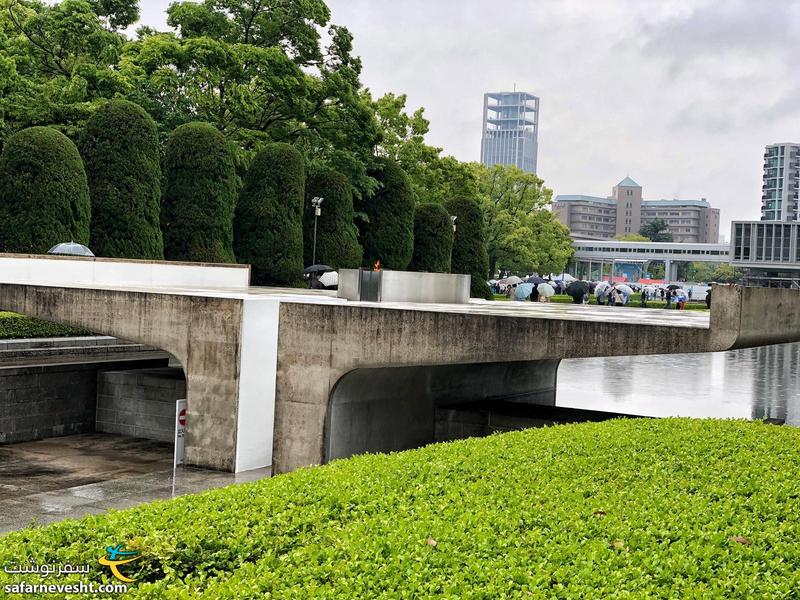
<point x="182" y="417"/>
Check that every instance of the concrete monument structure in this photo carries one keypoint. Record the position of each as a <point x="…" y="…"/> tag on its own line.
<point x="293" y="378"/>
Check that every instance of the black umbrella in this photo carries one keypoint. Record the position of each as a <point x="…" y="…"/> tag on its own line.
<point x="535" y="280"/>
<point x="672" y="286"/>
<point x="317" y="269"/>
<point x="577" y="290"/>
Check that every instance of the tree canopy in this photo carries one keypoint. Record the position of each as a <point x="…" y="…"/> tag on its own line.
<point x="469" y="244"/>
<point x="268" y="226"/>
<point x="433" y="239"/>
<point x="44" y="197"/>
<point x="387" y="233"/>
<point x="522" y="234"/>
<point x="631" y="237"/>
<point x="337" y="236"/>
<point x="120" y="150"/>
<point x="656" y="230"/>
<point x="199" y="195"/>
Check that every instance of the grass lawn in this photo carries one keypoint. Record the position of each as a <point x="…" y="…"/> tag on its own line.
<point x="13" y="326"/>
<point x="640" y="508"/>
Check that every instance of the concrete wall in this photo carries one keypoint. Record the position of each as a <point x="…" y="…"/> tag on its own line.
<point x="139" y="402"/>
<point x="43" y="401"/>
<point x="70" y="271"/>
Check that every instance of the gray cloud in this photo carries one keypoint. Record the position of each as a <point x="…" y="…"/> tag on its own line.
<point x="682" y="95"/>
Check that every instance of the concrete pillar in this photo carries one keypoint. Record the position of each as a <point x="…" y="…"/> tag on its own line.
<point x="667" y="271"/>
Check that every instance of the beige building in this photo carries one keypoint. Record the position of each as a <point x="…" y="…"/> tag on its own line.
<point x="624" y="213"/>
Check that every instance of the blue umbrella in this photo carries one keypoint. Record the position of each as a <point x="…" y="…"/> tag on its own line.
<point x="523" y="291"/>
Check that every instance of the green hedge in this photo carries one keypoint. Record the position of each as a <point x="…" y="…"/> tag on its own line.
<point x="15" y="326"/>
<point x="337" y="236"/>
<point x="641" y="508"/>
<point x="389" y="234"/>
<point x="44" y="196"/>
<point x="199" y="195"/>
<point x="268" y="227"/>
<point x="123" y="163"/>
<point x="433" y="239"/>
<point x="469" y="245"/>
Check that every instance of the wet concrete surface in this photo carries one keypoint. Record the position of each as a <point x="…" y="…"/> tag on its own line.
<point x="69" y="477"/>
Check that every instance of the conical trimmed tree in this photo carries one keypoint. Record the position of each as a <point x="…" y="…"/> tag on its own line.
<point x="389" y="234"/>
<point x="44" y="196"/>
<point x="469" y="244"/>
<point x="120" y="149"/>
<point x="268" y="226"/>
<point x="433" y="239"/>
<point x="337" y="236"/>
<point x="199" y="195"/>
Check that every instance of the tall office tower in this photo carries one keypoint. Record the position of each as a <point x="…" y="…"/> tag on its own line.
<point x="510" y="130"/>
<point x="781" y="182"/>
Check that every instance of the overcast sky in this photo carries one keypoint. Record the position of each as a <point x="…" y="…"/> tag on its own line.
<point x="682" y="96"/>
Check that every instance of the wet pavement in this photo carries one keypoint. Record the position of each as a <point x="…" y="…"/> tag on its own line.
<point x="69" y="477"/>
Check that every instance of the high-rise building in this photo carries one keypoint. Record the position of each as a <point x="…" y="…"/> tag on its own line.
<point x="781" y="182"/>
<point x="624" y="212"/>
<point x="510" y="130"/>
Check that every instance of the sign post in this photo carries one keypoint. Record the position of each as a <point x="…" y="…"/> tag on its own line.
<point x="180" y="431"/>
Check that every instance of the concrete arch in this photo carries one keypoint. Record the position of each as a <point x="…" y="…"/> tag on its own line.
<point x="394" y="408"/>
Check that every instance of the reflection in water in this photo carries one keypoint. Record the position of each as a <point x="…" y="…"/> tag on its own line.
<point x="757" y="383"/>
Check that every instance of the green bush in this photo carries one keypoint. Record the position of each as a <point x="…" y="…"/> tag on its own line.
<point x="268" y="227"/>
<point x="44" y="197"/>
<point x="337" y="236"/>
<point x="639" y="508"/>
<point x="120" y="148"/>
<point x="15" y="326"/>
<point x="199" y="195"/>
<point x="469" y="245"/>
<point x="433" y="239"/>
<point x="389" y="234"/>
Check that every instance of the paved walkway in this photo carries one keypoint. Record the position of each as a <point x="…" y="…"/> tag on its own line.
<point x="73" y="476"/>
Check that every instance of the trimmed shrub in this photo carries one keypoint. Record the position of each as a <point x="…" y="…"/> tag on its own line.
<point x="16" y="326"/>
<point x="629" y="508"/>
<point x="433" y="239"/>
<point x="389" y="234"/>
<point x="120" y="148"/>
<point x="469" y="245"/>
<point x="337" y="236"/>
<point x="44" y="196"/>
<point x="268" y="227"/>
<point x="199" y="195"/>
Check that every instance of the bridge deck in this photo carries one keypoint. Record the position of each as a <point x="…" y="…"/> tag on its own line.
<point x="529" y="310"/>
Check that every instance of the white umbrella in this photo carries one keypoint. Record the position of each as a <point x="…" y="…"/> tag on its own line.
<point x="625" y="289"/>
<point x="601" y="288"/>
<point x="511" y="280"/>
<point x="329" y="279"/>
<point x="545" y="289"/>
<point x="70" y="249"/>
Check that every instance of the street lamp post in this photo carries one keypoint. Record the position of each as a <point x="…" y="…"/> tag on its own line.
<point x="316" y="202"/>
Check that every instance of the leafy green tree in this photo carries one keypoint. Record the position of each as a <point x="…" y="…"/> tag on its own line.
<point x="469" y="244"/>
<point x="388" y="232"/>
<point x="60" y="61"/>
<point x="657" y="269"/>
<point x="337" y="236"/>
<point x="519" y="225"/>
<point x="433" y="239"/>
<point x="123" y="164"/>
<point x="724" y="273"/>
<point x="255" y="69"/>
<point x="44" y="197"/>
<point x="433" y="178"/>
<point x="268" y="226"/>
<point x="656" y="230"/>
<point x="199" y="195"/>
<point x="631" y="237"/>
